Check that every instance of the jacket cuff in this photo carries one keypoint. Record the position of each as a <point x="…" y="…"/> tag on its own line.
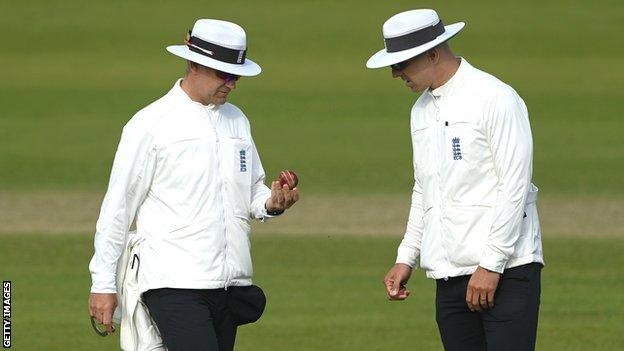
<point x="407" y="256"/>
<point x="493" y="260"/>
<point x="265" y="215"/>
<point x="103" y="284"/>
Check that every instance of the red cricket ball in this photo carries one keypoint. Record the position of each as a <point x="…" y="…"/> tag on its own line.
<point x="288" y="177"/>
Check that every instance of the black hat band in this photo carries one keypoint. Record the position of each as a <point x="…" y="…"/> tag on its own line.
<point x="216" y="52"/>
<point x="414" y="39"/>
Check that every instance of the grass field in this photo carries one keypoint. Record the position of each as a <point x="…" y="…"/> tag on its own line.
<point x="74" y="72"/>
<point x="79" y="70"/>
<point x="324" y="293"/>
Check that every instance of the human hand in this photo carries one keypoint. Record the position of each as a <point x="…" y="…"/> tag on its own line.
<point x="395" y="281"/>
<point x="282" y="197"/>
<point x="481" y="288"/>
<point x="101" y="307"/>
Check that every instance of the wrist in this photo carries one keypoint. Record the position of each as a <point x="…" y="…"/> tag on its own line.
<point x="488" y="270"/>
<point x="272" y="211"/>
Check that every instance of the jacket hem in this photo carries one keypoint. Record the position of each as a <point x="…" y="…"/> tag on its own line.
<point x="200" y="285"/>
<point x="513" y="262"/>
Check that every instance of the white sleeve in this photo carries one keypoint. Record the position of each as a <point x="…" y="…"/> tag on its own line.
<point x="509" y="133"/>
<point x="129" y="182"/>
<point x="409" y="249"/>
<point x="260" y="193"/>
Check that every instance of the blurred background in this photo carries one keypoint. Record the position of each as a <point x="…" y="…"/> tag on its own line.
<point x="73" y="73"/>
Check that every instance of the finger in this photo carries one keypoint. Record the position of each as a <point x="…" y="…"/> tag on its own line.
<point x="97" y="314"/>
<point x="107" y="317"/>
<point x="392" y="287"/>
<point x="286" y="196"/>
<point x="295" y="192"/>
<point x="490" y="298"/>
<point x="389" y="294"/>
<point x="388" y="285"/>
<point x="280" y="199"/>
<point x="483" y="301"/>
<point x="475" y="301"/>
<point x="469" y="293"/>
<point x="274" y="191"/>
<point x="291" y="198"/>
<point x="396" y="287"/>
<point x="288" y="201"/>
<point x="403" y="293"/>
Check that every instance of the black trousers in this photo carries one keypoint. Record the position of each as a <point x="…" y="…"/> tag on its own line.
<point x="510" y="325"/>
<point x="192" y="320"/>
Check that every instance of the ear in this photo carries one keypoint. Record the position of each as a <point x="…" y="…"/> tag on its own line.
<point x="193" y="67"/>
<point x="433" y="55"/>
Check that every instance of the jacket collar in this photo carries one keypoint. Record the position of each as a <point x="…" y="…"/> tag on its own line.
<point x="447" y="88"/>
<point x="177" y="92"/>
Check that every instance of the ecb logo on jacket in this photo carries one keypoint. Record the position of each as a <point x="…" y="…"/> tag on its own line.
<point x="243" y="161"/>
<point x="456" y="149"/>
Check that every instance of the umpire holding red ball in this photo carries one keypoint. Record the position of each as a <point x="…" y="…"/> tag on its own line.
<point x="473" y="224"/>
<point x="187" y="170"/>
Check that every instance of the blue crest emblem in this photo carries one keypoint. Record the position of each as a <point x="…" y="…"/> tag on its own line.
<point x="243" y="161"/>
<point x="457" y="155"/>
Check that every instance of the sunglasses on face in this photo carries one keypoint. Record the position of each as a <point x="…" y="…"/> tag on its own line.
<point x="403" y="64"/>
<point x="400" y="66"/>
<point x="227" y="77"/>
<point x="100" y="328"/>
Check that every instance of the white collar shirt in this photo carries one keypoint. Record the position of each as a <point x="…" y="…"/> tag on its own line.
<point x="473" y="203"/>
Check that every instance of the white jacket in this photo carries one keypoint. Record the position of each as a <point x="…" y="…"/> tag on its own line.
<point x="192" y="176"/>
<point x="473" y="203"/>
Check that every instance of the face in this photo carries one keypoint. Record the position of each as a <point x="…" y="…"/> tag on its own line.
<point x="417" y="72"/>
<point x="213" y="86"/>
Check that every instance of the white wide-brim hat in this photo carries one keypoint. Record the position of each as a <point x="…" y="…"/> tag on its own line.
<point x="409" y="34"/>
<point x="218" y="44"/>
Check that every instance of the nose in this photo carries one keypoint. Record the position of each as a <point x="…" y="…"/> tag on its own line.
<point x="395" y="73"/>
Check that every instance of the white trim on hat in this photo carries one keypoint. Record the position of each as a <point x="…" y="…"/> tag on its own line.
<point x="384" y="58"/>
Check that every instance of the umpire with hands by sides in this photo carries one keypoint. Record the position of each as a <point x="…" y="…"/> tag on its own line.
<point x="188" y="170"/>
<point x="473" y="224"/>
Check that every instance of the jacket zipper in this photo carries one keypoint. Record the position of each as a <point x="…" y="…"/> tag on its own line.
<point x="225" y="272"/>
<point x="440" y="134"/>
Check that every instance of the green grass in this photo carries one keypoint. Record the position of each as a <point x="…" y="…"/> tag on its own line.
<point x="78" y="71"/>
<point x="324" y="293"/>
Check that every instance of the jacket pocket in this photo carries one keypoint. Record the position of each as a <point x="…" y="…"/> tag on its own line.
<point x="431" y="248"/>
<point x="423" y="147"/>
<point x="529" y="240"/>
<point x="466" y="229"/>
